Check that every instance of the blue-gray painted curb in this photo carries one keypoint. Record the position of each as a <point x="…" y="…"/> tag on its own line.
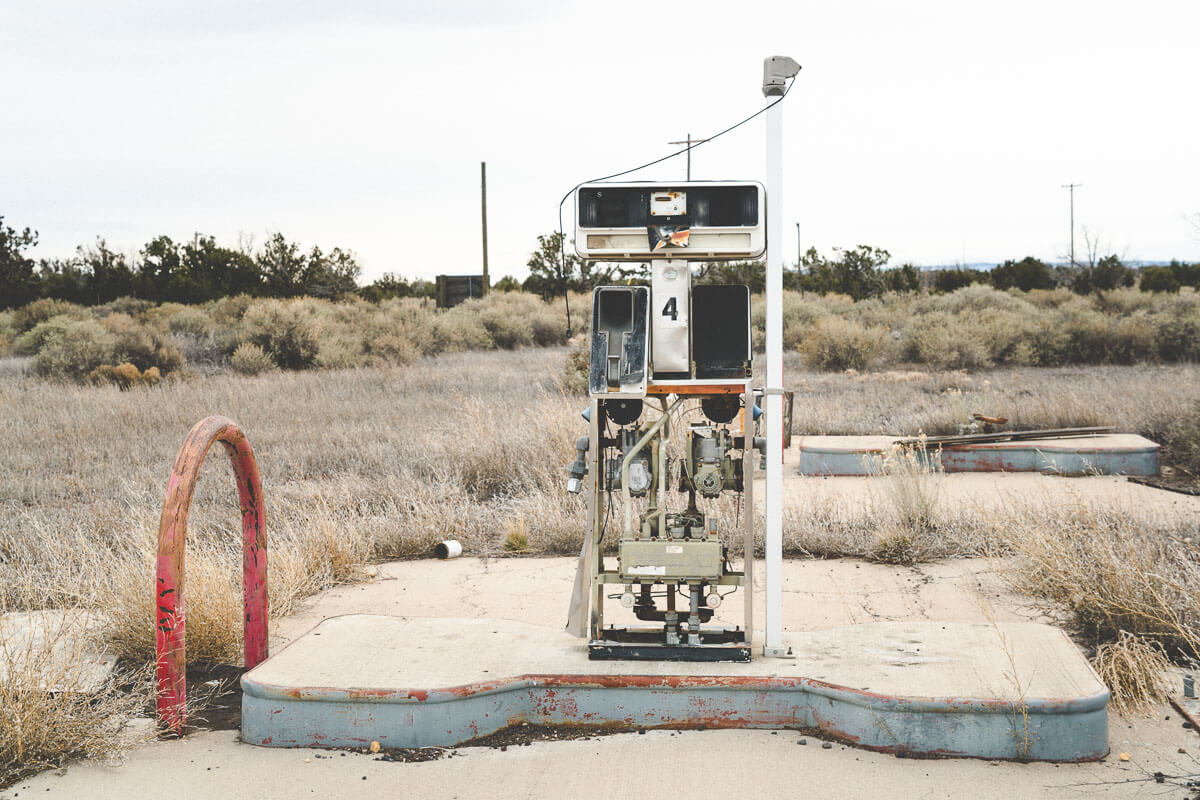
<point x="1036" y="730"/>
<point x="1059" y="459"/>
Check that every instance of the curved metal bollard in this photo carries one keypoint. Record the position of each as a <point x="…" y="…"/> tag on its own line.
<point x="169" y="634"/>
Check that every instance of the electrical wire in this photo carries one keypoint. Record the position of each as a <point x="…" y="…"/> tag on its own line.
<point x="562" y="250"/>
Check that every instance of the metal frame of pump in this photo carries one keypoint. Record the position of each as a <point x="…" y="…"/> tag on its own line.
<point x="679" y="550"/>
<point x="692" y="530"/>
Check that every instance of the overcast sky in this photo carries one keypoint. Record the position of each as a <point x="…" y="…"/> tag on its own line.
<point x="940" y="131"/>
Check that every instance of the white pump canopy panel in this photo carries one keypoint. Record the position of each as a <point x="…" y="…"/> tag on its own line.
<point x="692" y="220"/>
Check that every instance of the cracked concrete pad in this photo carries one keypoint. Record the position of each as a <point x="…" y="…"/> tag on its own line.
<point x="53" y="650"/>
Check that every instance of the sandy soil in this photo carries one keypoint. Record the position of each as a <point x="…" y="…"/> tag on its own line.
<point x="714" y="763"/>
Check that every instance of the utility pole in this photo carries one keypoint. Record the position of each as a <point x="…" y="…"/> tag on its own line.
<point x="483" y="202"/>
<point x="690" y="141"/>
<point x="1072" y="186"/>
<point x="799" y="251"/>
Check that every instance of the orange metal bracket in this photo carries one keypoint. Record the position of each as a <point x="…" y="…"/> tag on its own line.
<point x="169" y="638"/>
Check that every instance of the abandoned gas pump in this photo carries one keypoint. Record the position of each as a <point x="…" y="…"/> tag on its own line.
<point x="671" y="446"/>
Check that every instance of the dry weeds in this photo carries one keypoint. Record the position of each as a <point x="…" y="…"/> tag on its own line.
<point x="1135" y="670"/>
<point x="366" y="464"/>
<point x="48" y="717"/>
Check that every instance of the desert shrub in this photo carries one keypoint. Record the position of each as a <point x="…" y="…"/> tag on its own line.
<point x="124" y="376"/>
<point x="577" y="366"/>
<point x="144" y="346"/>
<point x="284" y="331"/>
<point x="395" y="348"/>
<point x="250" y="359"/>
<point x="343" y="352"/>
<point x="799" y="311"/>
<point x="344" y="331"/>
<point x="212" y="348"/>
<point x="180" y="319"/>
<point x="459" y="329"/>
<point x="942" y="341"/>
<point x="507" y="330"/>
<point x="975" y="297"/>
<point x="228" y="311"/>
<point x="835" y="344"/>
<point x="410" y="319"/>
<point x="1133" y="339"/>
<point x="132" y="306"/>
<point x="1158" y="279"/>
<point x="1049" y="298"/>
<point x="1005" y="335"/>
<point x="1082" y="335"/>
<point x="1026" y="274"/>
<point x="950" y="280"/>
<point x="1178" y="329"/>
<point x="7" y="332"/>
<point x="31" y="341"/>
<point x="27" y="317"/>
<point x="545" y="321"/>
<point x="889" y="311"/>
<point x="517" y="541"/>
<point x="1087" y="336"/>
<point x="67" y="348"/>
<point x="1125" y="301"/>
<point x="581" y="311"/>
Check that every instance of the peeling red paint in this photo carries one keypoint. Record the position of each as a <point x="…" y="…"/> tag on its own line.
<point x="170" y="630"/>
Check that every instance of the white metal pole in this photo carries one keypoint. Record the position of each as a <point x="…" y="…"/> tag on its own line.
<point x="773" y="641"/>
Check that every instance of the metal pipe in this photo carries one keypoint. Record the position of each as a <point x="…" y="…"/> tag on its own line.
<point x="170" y="642"/>
<point x="637" y="448"/>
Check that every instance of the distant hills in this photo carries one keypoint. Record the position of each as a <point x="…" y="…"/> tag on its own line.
<point x="987" y="266"/>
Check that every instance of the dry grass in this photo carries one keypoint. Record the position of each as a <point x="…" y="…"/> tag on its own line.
<point x="908" y="520"/>
<point x="367" y="464"/>
<point x="1134" y="669"/>
<point x="357" y="465"/>
<point x="1112" y="573"/>
<point x="46" y="719"/>
<point x="1161" y="402"/>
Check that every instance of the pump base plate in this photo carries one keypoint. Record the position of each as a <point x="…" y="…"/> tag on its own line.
<point x="646" y="644"/>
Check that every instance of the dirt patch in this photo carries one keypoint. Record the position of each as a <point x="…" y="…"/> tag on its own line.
<point x="214" y="698"/>
<point x="1184" y="484"/>
<point x="521" y="735"/>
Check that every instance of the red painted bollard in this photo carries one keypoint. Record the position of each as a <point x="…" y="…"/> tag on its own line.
<point x="169" y="632"/>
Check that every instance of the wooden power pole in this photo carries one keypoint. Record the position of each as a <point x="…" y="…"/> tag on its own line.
<point x="690" y="142"/>
<point x="483" y="203"/>
<point x="1072" y="187"/>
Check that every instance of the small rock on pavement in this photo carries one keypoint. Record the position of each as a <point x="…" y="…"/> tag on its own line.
<point x="1124" y="756"/>
<point x="826" y="745"/>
